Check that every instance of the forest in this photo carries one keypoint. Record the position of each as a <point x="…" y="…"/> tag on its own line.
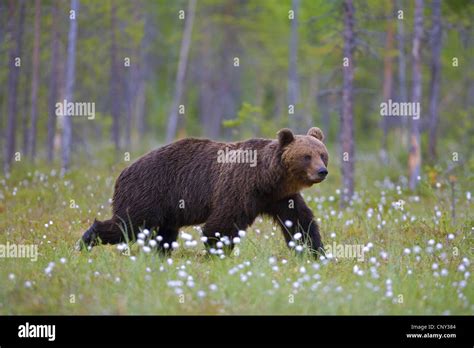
<point x="89" y="86"/>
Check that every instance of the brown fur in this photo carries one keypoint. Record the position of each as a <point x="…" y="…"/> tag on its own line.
<point x="227" y="197"/>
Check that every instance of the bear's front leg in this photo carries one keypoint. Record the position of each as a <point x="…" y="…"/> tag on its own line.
<point x="295" y="210"/>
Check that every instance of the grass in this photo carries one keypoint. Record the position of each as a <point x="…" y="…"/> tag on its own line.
<point x="38" y="207"/>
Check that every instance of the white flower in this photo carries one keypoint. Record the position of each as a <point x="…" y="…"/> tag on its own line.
<point x="439" y="246"/>
<point x="297" y="236"/>
<point x="11" y="276"/>
<point x="288" y="223"/>
<point x="406" y="251"/>
<point x="299" y="248"/>
<point x="152" y="243"/>
<point x="186" y="236"/>
<point x="291" y="244"/>
<point x="146" y="249"/>
<point x="159" y="238"/>
<point x="241" y="233"/>
<point x="434" y="266"/>
<point x="213" y="287"/>
<point x="146" y="232"/>
<point x="174" y="245"/>
<point x="220" y="245"/>
<point x="204" y="239"/>
<point x="141" y="242"/>
<point x="201" y="293"/>
<point x="236" y="240"/>
<point x="416" y="249"/>
<point x="461" y="268"/>
<point x="302" y="269"/>
<point x="431" y="242"/>
<point x="28" y="284"/>
<point x="62" y="260"/>
<point x="141" y="235"/>
<point x="169" y="261"/>
<point x="450" y="236"/>
<point x="444" y="272"/>
<point x="333" y="235"/>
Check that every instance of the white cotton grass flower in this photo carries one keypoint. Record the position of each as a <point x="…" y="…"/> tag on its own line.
<point x="152" y="243"/>
<point x="204" y="239"/>
<point x="146" y="232"/>
<point x="11" y="276"/>
<point x="146" y="249"/>
<point x="175" y="245"/>
<point x="140" y="242"/>
<point x="236" y="240"/>
<point x="450" y="236"/>
<point x="159" y="238"/>
<point x="201" y="293"/>
<point x="431" y="242"/>
<point x="63" y="260"/>
<point x="141" y="235"/>
<point x="297" y="236"/>
<point x="333" y="235"/>
<point x="241" y="233"/>
<point x="28" y="284"/>
<point x="272" y="260"/>
<point x="288" y="223"/>
<point x="299" y="248"/>
<point x="186" y="236"/>
<point x="406" y="251"/>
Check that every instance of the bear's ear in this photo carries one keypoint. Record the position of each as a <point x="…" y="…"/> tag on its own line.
<point x="285" y="136"/>
<point x="316" y="132"/>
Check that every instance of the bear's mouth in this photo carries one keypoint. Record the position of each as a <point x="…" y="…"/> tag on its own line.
<point x="316" y="179"/>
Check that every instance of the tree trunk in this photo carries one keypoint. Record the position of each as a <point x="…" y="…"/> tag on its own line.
<point x="183" y="59"/>
<point x="35" y="83"/>
<point x="114" y="96"/>
<point x="347" y="127"/>
<point x="387" y="79"/>
<point x="12" y="90"/>
<point x="435" y="77"/>
<point x="293" y="79"/>
<point x="402" y="88"/>
<point x="414" y="158"/>
<point x="53" y="83"/>
<point x="70" y="79"/>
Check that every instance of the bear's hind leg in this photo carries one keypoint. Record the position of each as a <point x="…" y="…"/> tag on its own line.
<point x="168" y="235"/>
<point x="227" y="229"/>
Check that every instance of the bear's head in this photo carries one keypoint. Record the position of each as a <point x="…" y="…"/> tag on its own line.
<point x="304" y="157"/>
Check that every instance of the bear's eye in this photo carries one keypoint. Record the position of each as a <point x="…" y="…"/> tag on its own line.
<point x="323" y="157"/>
<point x="307" y="158"/>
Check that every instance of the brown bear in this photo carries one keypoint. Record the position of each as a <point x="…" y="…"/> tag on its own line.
<point x="223" y="185"/>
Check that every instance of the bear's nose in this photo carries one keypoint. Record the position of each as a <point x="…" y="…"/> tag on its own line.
<point x="322" y="172"/>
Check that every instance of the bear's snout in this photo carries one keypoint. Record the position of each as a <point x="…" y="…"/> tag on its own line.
<point x="322" y="172"/>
